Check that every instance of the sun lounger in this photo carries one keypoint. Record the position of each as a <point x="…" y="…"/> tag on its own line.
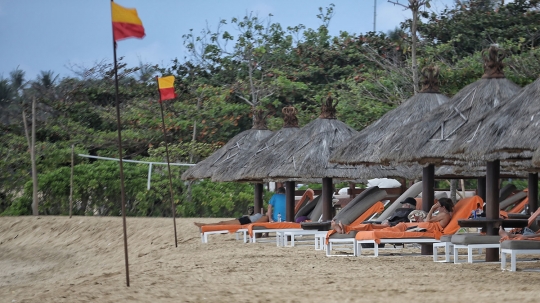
<point x="306" y="198"/>
<point x="305" y="208"/>
<point x="506" y="191"/>
<point x="472" y="242"/>
<point x="312" y="210"/>
<point x="271" y="227"/>
<point x="512" y="200"/>
<point x="412" y="191"/>
<point x="293" y="235"/>
<point x="446" y="243"/>
<point x="461" y="211"/>
<point x="377" y="207"/>
<point x="223" y="229"/>
<point x="517" y="247"/>
<point x="468" y="239"/>
<point x="356" y="213"/>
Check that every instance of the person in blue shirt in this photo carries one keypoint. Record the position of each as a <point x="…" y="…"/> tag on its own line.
<point x="277" y="206"/>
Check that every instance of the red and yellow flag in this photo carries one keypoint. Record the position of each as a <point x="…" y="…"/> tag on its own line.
<point x="126" y="23"/>
<point x="166" y="88"/>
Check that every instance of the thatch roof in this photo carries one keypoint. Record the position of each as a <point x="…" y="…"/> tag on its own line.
<point x="510" y="131"/>
<point x="365" y="147"/>
<point x="306" y="155"/>
<point x="429" y="140"/>
<point x="358" y="174"/>
<point x="238" y="144"/>
<point x="536" y="158"/>
<point x="467" y="170"/>
<point x="254" y="164"/>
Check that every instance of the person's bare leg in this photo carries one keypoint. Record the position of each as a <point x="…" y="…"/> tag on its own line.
<point x="228" y="222"/>
<point x="341" y="227"/>
<point x="335" y="226"/>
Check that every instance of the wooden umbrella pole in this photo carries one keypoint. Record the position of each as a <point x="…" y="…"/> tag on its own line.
<point x="492" y="205"/>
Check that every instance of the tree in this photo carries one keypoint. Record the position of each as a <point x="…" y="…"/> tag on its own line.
<point x="473" y="25"/>
<point x="246" y="67"/>
<point x="414" y="6"/>
<point x="31" y="138"/>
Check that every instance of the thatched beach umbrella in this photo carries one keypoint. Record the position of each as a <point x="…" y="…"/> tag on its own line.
<point x="536" y="158"/>
<point x="509" y="133"/>
<point x="306" y="155"/>
<point x="365" y="147"/>
<point x="429" y="141"/>
<point x="236" y="146"/>
<point x="238" y="168"/>
<point x="254" y="164"/>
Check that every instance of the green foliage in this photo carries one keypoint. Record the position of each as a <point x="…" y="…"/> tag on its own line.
<point x="244" y="64"/>
<point x="223" y="199"/>
<point x="471" y="26"/>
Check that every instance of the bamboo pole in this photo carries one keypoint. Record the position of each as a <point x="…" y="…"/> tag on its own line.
<point x="71" y="181"/>
<point x="173" y="209"/>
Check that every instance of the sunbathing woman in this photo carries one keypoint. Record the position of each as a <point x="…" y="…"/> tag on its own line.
<point x="445" y="207"/>
<point x="528" y="234"/>
<point x="432" y="223"/>
<point x="399" y="215"/>
<point x="247" y="219"/>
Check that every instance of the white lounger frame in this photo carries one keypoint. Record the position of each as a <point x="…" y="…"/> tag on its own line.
<point x="513" y="254"/>
<point x="447" y="248"/>
<point x="393" y="241"/>
<point x="300" y="233"/>
<point x="357" y="245"/>
<point x="204" y="236"/>
<point x="277" y="231"/>
<point x="348" y="241"/>
<point x="470" y="248"/>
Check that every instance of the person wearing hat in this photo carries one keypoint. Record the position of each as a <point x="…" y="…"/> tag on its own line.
<point x="401" y="214"/>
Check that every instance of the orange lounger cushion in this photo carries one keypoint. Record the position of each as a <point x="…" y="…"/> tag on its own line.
<point x="375" y="208"/>
<point x="273" y="225"/>
<point x="462" y="210"/>
<point x="519" y="207"/>
<point x="230" y="228"/>
<point x="399" y="231"/>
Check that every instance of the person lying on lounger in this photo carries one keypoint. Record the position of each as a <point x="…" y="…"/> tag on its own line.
<point x="251" y="217"/>
<point x="399" y="215"/>
<point x="444" y="207"/>
<point x="527" y="234"/>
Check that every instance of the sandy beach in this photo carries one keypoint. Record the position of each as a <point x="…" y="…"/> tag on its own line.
<point x="58" y="259"/>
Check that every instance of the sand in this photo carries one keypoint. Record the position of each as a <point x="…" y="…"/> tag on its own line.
<point x="58" y="259"/>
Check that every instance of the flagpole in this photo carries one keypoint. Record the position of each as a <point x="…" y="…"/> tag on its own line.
<point x="122" y="188"/>
<point x="168" y="165"/>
